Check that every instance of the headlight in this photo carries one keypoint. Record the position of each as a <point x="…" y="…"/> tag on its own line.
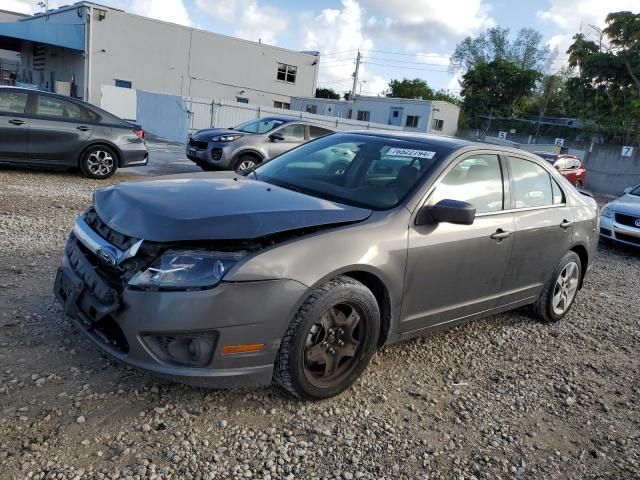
<point x="226" y="138"/>
<point x="181" y="269"/>
<point x="606" y="212"/>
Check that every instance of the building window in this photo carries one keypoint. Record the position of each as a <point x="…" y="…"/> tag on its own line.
<point x="364" y="115"/>
<point x="412" y="121"/>
<point x="287" y="73"/>
<point x="123" y="83"/>
<point x="242" y="100"/>
<point x="438" y="124"/>
<point x="284" y="105"/>
<point x="312" y="109"/>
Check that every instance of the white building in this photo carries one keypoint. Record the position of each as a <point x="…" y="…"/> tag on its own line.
<point x="430" y="116"/>
<point x="77" y="49"/>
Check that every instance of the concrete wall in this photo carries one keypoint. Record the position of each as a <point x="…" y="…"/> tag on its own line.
<point x="449" y="114"/>
<point x="7" y="16"/>
<point x="333" y="108"/>
<point x="610" y="173"/>
<point x="172" y="59"/>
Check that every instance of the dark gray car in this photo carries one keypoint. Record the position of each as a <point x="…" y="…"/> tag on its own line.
<point x="251" y="143"/>
<point x="298" y="274"/>
<point x="41" y="128"/>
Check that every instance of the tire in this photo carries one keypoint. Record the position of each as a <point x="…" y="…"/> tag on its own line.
<point x="245" y="162"/>
<point x="325" y="328"/>
<point x="578" y="184"/>
<point x="547" y="307"/>
<point x="98" y="162"/>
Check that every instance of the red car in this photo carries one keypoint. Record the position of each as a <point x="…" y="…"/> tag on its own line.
<point x="569" y="166"/>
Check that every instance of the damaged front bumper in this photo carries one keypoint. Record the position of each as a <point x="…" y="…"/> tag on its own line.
<point x="180" y="334"/>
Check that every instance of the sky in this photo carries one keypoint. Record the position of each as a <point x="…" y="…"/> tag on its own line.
<point x="398" y="38"/>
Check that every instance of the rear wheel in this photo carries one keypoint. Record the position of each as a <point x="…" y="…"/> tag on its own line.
<point x="560" y="291"/>
<point x="330" y="341"/>
<point x="98" y="162"/>
<point x="245" y="162"/>
<point x="578" y="184"/>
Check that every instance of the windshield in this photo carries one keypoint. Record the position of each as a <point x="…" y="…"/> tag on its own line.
<point x="367" y="171"/>
<point x="635" y="191"/>
<point x="262" y="125"/>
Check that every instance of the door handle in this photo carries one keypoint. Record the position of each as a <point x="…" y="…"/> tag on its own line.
<point x="82" y="128"/>
<point x="15" y="121"/>
<point x="565" y="224"/>
<point x="501" y="234"/>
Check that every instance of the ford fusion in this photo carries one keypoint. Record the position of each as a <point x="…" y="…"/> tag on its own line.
<point x="296" y="272"/>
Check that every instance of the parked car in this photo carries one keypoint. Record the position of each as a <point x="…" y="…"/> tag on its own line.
<point x="298" y="274"/>
<point x="41" y="128"/>
<point x="569" y="166"/>
<point x="251" y="143"/>
<point x="620" y="219"/>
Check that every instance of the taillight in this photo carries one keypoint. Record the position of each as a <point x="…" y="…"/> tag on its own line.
<point x="139" y="133"/>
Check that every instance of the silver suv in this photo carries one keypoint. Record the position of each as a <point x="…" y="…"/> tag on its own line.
<point x="251" y="143"/>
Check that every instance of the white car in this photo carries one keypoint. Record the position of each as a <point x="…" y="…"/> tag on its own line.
<point x="620" y="219"/>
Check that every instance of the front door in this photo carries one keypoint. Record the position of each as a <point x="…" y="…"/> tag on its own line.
<point x="294" y="135"/>
<point x="14" y="125"/>
<point x="456" y="271"/>
<point x="395" y="116"/>
<point x="57" y="132"/>
<point x="544" y="227"/>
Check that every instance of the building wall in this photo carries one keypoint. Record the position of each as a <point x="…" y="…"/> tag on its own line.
<point x="7" y="17"/>
<point x="449" y="114"/>
<point x="64" y="63"/>
<point x="333" y="108"/>
<point x="172" y="59"/>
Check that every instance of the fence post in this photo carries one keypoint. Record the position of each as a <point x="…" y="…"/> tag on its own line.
<point x="259" y="111"/>
<point x="211" y="120"/>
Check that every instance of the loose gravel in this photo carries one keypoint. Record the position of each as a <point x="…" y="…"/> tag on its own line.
<point x="505" y="397"/>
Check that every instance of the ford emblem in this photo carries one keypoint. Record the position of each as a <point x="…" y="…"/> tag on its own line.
<point x="638" y="222"/>
<point x="106" y="257"/>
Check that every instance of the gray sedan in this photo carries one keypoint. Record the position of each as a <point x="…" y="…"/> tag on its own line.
<point x="620" y="219"/>
<point x="251" y="143"/>
<point x="296" y="274"/>
<point x="40" y="128"/>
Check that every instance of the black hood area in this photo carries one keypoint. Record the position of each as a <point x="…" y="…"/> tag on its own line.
<point x="213" y="206"/>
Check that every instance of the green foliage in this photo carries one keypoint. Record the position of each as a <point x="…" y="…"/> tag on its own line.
<point x="527" y="50"/>
<point x="327" y="93"/>
<point x="418" y="88"/>
<point x="499" y="85"/>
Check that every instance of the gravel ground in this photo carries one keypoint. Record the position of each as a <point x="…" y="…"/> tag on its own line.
<point x="505" y="397"/>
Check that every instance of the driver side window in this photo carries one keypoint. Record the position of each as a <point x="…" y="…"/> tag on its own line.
<point x="477" y="180"/>
<point x="293" y="133"/>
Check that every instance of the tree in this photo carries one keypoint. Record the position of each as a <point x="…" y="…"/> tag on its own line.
<point x="405" y="88"/>
<point x="499" y="86"/>
<point x="527" y="50"/>
<point x="606" y="92"/>
<point x="327" y="93"/>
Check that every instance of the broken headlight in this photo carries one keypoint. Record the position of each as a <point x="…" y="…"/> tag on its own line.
<point x="180" y="269"/>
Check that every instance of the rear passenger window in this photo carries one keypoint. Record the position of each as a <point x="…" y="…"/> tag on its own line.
<point x="476" y="180"/>
<point x="316" y="132"/>
<point x="54" y="107"/>
<point x="13" y="102"/>
<point x="532" y="184"/>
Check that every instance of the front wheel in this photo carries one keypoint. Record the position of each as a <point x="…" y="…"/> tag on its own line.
<point x="560" y="291"/>
<point x="578" y="184"/>
<point x="245" y="162"/>
<point x="98" y="162"/>
<point x="330" y="341"/>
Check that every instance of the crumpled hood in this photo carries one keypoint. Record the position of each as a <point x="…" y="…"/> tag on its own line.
<point x="207" y="133"/>
<point x="627" y="204"/>
<point x="213" y="206"/>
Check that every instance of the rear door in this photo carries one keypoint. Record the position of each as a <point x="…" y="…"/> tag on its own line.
<point x="293" y="134"/>
<point x="58" y="130"/>
<point x="544" y="226"/>
<point x="456" y="271"/>
<point x="14" y="124"/>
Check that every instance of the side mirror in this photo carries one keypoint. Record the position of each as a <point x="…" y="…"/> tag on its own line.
<point x="447" y="211"/>
<point x="274" y="137"/>
<point x="628" y="190"/>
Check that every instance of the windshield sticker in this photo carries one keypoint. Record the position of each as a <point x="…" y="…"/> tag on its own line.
<point x="407" y="152"/>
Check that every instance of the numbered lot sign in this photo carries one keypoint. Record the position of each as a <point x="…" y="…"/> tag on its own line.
<point x="627" y="151"/>
<point x="502" y="135"/>
<point x="559" y="142"/>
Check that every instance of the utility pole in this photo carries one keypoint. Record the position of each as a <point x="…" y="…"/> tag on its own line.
<point x="355" y="77"/>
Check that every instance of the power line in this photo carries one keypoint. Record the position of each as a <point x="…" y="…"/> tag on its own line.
<point x="406" y="68"/>
<point x="408" y="61"/>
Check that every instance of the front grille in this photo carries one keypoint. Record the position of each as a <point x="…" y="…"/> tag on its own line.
<point x="628" y="238"/>
<point x="628" y="220"/>
<point x="123" y="242"/>
<point x="199" y="144"/>
<point x="216" y="153"/>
